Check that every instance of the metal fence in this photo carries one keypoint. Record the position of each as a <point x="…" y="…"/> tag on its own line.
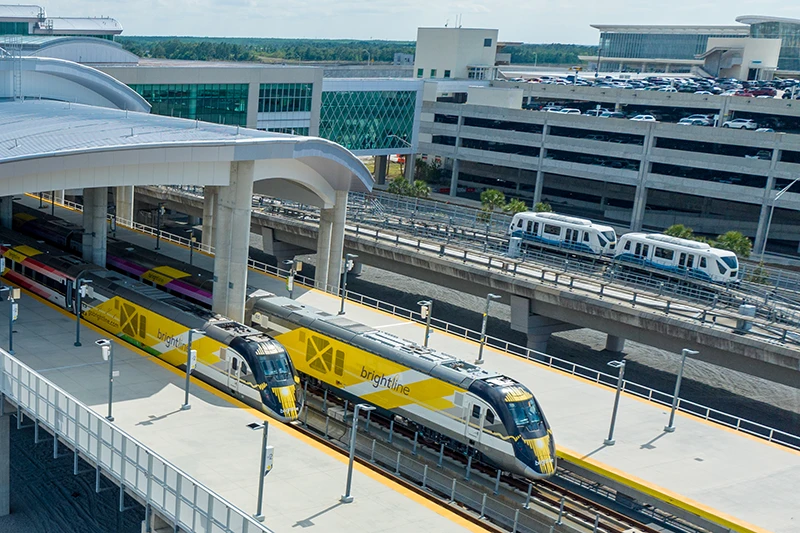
<point x="707" y="413"/>
<point x="157" y="483"/>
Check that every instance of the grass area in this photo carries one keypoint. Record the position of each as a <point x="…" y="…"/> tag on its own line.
<point x="395" y="169"/>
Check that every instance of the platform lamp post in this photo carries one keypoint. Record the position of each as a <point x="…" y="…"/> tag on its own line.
<point x="771" y="210"/>
<point x="159" y="213"/>
<point x="191" y="362"/>
<point x="53" y="203"/>
<point x="489" y="298"/>
<point x="621" y="366"/>
<point x="80" y="292"/>
<point x="107" y="350"/>
<point x="192" y="240"/>
<point x="267" y="460"/>
<point x="669" y="428"/>
<point x="426" y="309"/>
<point x="41" y="201"/>
<point x="348" y="264"/>
<point x="294" y="267"/>
<point x="11" y="294"/>
<point x="347" y="497"/>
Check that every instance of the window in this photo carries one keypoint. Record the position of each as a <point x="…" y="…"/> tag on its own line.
<point x="663" y="253"/>
<point x="212" y="102"/>
<point x="487" y="43"/>
<point x="284" y="97"/>
<point x="476" y="412"/>
<point x="721" y="267"/>
<point x="489" y="416"/>
<point x="420" y="72"/>
<point x="585" y="236"/>
<point x="628" y="245"/>
<point x="550" y="229"/>
<point x="433" y="73"/>
<point x="703" y="263"/>
<point x="446" y="73"/>
<point x="530" y="226"/>
<point x="519" y="223"/>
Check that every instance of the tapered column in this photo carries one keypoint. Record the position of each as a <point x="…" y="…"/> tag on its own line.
<point x="209" y="209"/>
<point x="124" y="202"/>
<point x="95" y="225"/>
<point x="337" y="240"/>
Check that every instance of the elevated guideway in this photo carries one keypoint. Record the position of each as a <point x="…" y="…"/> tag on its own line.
<point x="695" y="469"/>
<point x="545" y="299"/>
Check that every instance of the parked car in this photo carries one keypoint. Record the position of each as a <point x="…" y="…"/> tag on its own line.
<point x="644" y="118"/>
<point x="595" y="112"/>
<point x="693" y="122"/>
<point x="612" y="114"/>
<point x="764" y="91"/>
<point x="761" y="154"/>
<point x="570" y="111"/>
<point x="766" y="130"/>
<point x="705" y="118"/>
<point x="667" y="90"/>
<point x="741" y="123"/>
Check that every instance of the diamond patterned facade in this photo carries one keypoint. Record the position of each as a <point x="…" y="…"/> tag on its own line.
<point x="368" y="120"/>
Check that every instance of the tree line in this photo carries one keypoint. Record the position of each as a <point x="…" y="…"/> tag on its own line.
<point x="333" y="50"/>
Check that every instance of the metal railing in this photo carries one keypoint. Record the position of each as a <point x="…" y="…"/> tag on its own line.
<point x="160" y="485"/>
<point x="707" y="413"/>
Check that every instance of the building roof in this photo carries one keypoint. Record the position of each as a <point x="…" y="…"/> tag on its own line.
<point x="89" y="25"/>
<point x="38" y="42"/>
<point x="759" y="19"/>
<point x="630" y="28"/>
<point x="28" y="12"/>
<point x="35" y="134"/>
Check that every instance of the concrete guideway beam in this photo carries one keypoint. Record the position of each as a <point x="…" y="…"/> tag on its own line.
<point x="538" y="328"/>
<point x="232" y="241"/>
<point x="95" y="224"/>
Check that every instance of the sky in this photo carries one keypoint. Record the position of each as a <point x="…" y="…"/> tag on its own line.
<point x="530" y="21"/>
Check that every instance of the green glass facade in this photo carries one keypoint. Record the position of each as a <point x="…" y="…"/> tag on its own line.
<point x="291" y="131"/>
<point x="284" y="97"/>
<point x="367" y="120"/>
<point x="655" y="45"/>
<point x="211" y="102"/>
<point x="788" y="33"/>
<point x="14" y="28"/>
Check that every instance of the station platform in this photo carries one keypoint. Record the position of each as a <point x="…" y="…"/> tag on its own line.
<point x="744" y="483"/>
<point x="211" y="441"/>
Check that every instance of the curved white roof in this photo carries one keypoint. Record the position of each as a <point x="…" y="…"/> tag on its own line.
<point x="759" y="19"/>
<point x="48" y="145"/>
<point x="84" y="25"/>
<point x="16" y="12"/>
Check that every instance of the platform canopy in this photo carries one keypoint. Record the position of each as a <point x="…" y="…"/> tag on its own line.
<point x="47" y="145"/>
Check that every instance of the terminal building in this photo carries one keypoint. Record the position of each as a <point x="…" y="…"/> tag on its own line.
<point x="653" y="48"/>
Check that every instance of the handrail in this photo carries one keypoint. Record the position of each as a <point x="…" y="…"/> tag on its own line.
<point x="707" y="413"/>
<point x="160" y="484"/>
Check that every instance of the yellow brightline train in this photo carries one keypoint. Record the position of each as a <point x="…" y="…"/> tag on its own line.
<point x="230" y="355"/>
<point x="447" y="399"/>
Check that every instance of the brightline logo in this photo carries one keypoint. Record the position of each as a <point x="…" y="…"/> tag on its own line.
<point x="390" y="383"/>
<point x="170" y="340"/>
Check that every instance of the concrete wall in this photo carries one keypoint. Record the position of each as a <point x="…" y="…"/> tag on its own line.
<point x="453" y="49"/>
<point x="764" y="51"/>
<point x="495" y="97"/>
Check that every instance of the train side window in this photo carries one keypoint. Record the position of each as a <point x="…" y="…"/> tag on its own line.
<point x="682" y="260"/>
<point x="244" y="368"/>
<point x="234" y="364"/>
<point x="519" y="223"/>
<point x="476" y="412"/>
<point x="550" y="229"/>
<point x="663" y="253"/>
<point x="489" y="416"/>
<point x="703" y="263"/>
<point x="536" y="228"/>
<point x="645" y="250"/>
<point x="690" y="261"/>
<point x="638" y="251"/>
<point x="585" y="236"/>
<point x="530" y="226"/>
<point x="628" y="245"/>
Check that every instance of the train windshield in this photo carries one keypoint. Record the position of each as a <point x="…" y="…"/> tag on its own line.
<point x="610" y="235"/>
<point x="526" y="415"/>
<point x="273" y="360"/>
<point x="730" y="260"/>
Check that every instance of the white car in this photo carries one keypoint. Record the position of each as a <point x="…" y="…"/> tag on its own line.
<point x="644" y="118"/>
<point x="741" y="123"/>
<point x="668" y="90"/>
<point x="570" y="111"/>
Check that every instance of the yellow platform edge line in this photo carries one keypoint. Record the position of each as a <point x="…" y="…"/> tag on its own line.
<point x="441" y="510"/>
<point x="665" y="495"/>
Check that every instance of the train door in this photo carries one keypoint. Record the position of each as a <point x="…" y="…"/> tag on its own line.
<point x="473" y="427"/>
<point x="572" y="236"/>
<point x="690" y="261"/>
<point x="529" y="228"/>
<point x="235" y="363"/>
<point x="682" y="260"/>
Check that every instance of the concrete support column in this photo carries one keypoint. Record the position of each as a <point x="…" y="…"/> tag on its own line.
<point x="124" y="201"/>
<point x="232" y="241"/>
<point x="323" y="247"/>
<point x="411" y="165"/>
<point x="537" y="327"/>
<point x="380" y="169"/>
<point x="337" y="240"/>
<point x="6" y="211"/>
<point x="454" y="178"/>
<point x="537" y="190"/>
<point x="639" y="204"/>
<point x="763" y="216"/>
<point x="95" y="225"/>
<point x="59" y="195"/>
<point x="640" y="197"/>
<point x="210" y="195"/>
<point x="614" y="344"/>
<point x="5" y="464"/>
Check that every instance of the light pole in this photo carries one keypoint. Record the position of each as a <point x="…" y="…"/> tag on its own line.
<point x="369" y="56"/>
<point x="621" y="366"/>
<point x="426" y="309"/>
<point x="267" y="460"/>
<point x="669" y="428"/>
<point x="771" y="209"/>
<point x="597" y="66"/>
<point x="348" y="264"/>
<point x="80" y="292"/>
<point x="107" y="349"/>
<point x="294" y="267"/>
<point x="192" y="240"/>
<point x="347" y="497"/>
<point x="11" y="294"/>
<point x="191" y="362"/>
<point x="489" y="298"/>
<point x="159" y="213"/>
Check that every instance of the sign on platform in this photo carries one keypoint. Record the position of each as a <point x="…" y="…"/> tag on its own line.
<point x="270" y="456"/>
<point x="193" y="359"/>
